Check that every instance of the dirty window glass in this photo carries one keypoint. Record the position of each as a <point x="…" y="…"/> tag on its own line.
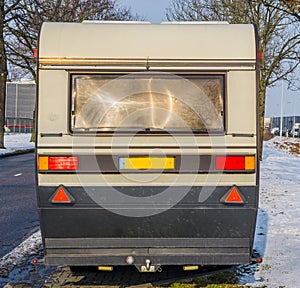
<point x="148" y="102"/>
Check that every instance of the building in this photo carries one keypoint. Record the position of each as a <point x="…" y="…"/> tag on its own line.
<point x="20" y="106"/>
<point x="287" y="122"/>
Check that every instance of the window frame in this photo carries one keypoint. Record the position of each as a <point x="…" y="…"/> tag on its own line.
<point x="217" y="74"/>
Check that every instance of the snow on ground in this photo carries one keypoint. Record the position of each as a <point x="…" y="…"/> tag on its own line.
<point x="278" y="227"/>
<point x="288" y="145"/>
<point x="16" y="142"/>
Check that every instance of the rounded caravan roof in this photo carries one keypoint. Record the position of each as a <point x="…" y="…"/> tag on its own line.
<point x="121" y="40"/>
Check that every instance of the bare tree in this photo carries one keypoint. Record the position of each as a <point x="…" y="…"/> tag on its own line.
<point x="23" y="30"/>
<point x="3" y="73"/>
<point x="7" y="10"/>
<point x="291" y="7"/>
<point x="278" y="34"/>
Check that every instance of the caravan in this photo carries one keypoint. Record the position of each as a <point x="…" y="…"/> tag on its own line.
<point x="147" y="143"/>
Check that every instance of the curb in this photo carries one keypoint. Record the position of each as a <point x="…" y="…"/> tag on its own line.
<point x="17" y="152"/>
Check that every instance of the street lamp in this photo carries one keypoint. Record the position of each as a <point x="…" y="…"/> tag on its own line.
<point x="294" y="120"/>
<point x="281" y="109"/>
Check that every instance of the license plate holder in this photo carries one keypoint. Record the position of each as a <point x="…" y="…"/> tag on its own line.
<point x="147" y="163"/>
<point x="151" y="269"/>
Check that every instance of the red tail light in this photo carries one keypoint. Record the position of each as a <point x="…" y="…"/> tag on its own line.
<point x="230" y="163"/>
<point x="58" y="163"/>
<point x="233" y="163"/>
<point x="63" y="163"/>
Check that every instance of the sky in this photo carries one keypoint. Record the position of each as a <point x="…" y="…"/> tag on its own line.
<point x="290" y="101"/>
<point x="151" y="10"/>
<point x="154" y="11"/>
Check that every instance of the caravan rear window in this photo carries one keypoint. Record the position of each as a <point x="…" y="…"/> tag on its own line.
<point x="148" y="102"/>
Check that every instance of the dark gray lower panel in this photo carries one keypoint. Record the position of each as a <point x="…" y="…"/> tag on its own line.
<point x="173" y="251"/>
<point x="90" y="243"/>
<point x="234" y="222"/>
<point x="208" y="233"/>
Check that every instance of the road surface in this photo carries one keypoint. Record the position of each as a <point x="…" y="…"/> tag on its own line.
<point x="18" y="212"/>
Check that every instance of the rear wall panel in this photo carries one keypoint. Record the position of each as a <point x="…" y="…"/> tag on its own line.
<point x="53" y="102"/>
<point x="241" y="102"/>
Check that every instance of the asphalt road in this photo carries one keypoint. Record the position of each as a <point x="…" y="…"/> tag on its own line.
<point x="18" y="208"/>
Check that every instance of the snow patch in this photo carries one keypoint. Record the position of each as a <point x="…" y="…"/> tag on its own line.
<point x="15" y="142"/>
<point x="18" y="255"/>
<point x="287" y="145"/>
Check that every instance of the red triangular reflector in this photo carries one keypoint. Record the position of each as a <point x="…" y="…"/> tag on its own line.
<point x="61" y="196"/>
<point x="234" y="196"/>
